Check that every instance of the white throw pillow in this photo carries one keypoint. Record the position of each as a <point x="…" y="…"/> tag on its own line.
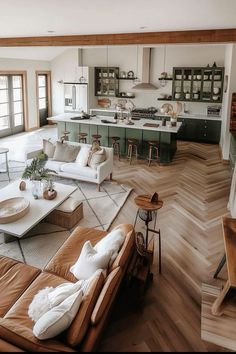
<point x="50" y="297"/>
<point x="62" y="292"/>
<point x="90" y="261"/>
<point x="111" y="242"/>
<point x="82" y="157"/>
<point x="40" y="304"/>
<point x="96" y="158"/>
<point x="59" y="318"/>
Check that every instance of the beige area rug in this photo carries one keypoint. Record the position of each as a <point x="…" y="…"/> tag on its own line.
<point x="100" y="209"/>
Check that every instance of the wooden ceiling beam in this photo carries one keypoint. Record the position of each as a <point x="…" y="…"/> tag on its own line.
<point x="171" y="37"/>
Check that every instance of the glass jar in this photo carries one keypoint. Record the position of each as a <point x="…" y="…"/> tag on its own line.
<point x="36" y="189"/>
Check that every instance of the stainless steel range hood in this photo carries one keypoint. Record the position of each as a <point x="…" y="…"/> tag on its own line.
<point x="145" y="80"/>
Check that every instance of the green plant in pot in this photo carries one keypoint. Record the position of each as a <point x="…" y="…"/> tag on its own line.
<point x="49" y="192"/>
<point x="37" y="173"/>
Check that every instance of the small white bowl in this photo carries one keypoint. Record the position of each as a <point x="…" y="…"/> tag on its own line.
<point x="216" y="90"/>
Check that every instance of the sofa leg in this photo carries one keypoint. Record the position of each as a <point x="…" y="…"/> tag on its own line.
<point x="98" y="188"/>
<point x="111" y="176"/>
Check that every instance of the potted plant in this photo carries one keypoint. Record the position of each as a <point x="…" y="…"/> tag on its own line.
<point x="49" y="192"/>
<point x="36" y="172"/>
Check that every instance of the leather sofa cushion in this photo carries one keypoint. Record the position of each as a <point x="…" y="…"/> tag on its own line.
<point x="126" y="249"/>
<point x="109" y="290"/>
<point x="20" y="337"/>
<point x="75" y="169"/>
<point x="17" y="326"/>
<point x="80" y="324"/>
<point x="7" y="347"/>
<point x="15" y="278"/>
<point x="68" y="254"/>
<point x="6" y="263"/>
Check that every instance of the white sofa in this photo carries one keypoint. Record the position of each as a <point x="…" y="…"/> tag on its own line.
<point x="75" y="171"/>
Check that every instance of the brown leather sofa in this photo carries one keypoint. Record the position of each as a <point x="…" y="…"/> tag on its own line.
<point x="20" y="282"/>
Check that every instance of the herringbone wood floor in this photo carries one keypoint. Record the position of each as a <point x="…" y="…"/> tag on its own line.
<point x="195" y="191"/>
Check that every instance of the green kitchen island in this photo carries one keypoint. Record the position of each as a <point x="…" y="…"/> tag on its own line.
<point x="166" y="135"/>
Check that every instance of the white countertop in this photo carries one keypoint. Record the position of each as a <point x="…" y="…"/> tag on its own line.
<point x="138" y="124"/>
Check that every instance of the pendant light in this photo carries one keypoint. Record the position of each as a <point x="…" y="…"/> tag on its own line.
<point x="137" y="80"/>
<point x="107" y="58"/>
<point x="82" y="79"/>
<point x="164" y="73"/>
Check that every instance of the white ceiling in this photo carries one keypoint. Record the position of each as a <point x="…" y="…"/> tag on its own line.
<point x="67" y="17"/>
<point x="70" y="17"/>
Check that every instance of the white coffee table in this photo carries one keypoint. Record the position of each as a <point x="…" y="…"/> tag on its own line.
<point x="39" y="208"/>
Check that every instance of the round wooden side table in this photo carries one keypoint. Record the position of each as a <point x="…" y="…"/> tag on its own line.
<point x="146" y="211"/>
<point x="5" y="151"/>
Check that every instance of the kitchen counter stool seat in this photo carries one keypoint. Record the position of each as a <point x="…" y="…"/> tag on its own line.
<point x="153" y="147"/>
<point x="96" y="138"/>
<point x="83" y="138"/>
<point x="132" y="148"/>
<point x="65" y="135"/>
<point x="116" y="145"/>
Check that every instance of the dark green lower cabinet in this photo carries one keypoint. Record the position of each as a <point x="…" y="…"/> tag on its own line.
<point x="167" y="141"/>
<point x="209" y="131"/>
<point x="200" y="130"/>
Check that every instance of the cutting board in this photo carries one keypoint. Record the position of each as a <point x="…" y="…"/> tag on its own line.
<point x="151" y="125"/>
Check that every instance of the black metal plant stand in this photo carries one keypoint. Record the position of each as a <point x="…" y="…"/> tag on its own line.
<point x="147" y="217"/>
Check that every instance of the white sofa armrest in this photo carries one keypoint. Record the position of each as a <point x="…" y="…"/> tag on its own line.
<point x="32" y="154"/>
<point x="105" y="169"/>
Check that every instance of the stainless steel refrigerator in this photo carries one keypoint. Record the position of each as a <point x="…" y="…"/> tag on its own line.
<point x="79" y="94"/>
<point x="76" y="97"/>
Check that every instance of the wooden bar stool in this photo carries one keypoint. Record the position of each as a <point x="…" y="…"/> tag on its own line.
<point x="153" y="147"/>
<point x="65" y="135"/>
<point x="116" y="145"/>
<point x="82" y="138"/>
<point x="132" y="148"/>
<point x="96" y="138"/>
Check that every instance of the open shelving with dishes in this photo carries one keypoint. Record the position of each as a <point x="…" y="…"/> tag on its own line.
<point x="165" y="78"/>
<point x="127" y="78"/>
<point x="198" y="84"/>
<point x="106" y="82"/>
<point x="123" y="95"/>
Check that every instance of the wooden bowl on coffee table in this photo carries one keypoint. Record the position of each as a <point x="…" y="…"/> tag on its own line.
<point x="13" y="209"/>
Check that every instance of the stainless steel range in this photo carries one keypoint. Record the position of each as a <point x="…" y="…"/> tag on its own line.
<point x="148" y="113"/>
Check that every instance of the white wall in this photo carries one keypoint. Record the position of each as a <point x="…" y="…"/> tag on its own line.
<point x="30" y="66"/>
<point x="65" y="67"/>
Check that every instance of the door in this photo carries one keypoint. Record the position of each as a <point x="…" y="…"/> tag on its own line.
<point x="43" y="99"/>
<point x="11" y="105"/>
